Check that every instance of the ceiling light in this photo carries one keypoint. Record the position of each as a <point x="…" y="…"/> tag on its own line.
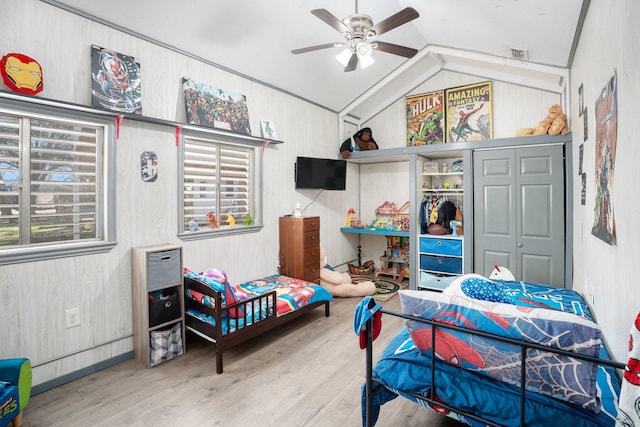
<point x="364" y="51"/>
<point x="365" y="61"/>
<point x="344" y="56"/>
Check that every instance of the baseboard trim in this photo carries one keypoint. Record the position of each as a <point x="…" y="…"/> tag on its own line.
<point x="56" y="382"/>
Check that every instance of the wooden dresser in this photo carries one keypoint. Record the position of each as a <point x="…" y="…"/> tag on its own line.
<point x="300" y="248"/>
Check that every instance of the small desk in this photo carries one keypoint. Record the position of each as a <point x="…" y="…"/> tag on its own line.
<point x="398" y="263"/>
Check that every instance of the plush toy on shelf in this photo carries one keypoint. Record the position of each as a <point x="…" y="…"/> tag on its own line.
<point x="340" y="284"/>
<point x="360" y="141"/>
<point x="555" y="123"/>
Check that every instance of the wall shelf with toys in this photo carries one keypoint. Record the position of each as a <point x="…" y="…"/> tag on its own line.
<point x="396" y="257"/>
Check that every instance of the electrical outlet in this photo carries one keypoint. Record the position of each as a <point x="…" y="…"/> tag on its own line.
<point x="73" y="317"/>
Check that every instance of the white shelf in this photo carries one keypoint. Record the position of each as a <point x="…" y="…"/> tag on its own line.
<point x="443" y="190"/>
<point x="442" y="173"/>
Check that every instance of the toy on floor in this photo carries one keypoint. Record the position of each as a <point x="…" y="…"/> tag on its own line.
<point x="340" y="284"/>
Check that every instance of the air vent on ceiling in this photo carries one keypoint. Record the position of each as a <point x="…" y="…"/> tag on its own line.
<point x="519" y="54"/>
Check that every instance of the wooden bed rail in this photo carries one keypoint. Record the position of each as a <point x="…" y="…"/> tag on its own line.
<point x="261" y="308"/>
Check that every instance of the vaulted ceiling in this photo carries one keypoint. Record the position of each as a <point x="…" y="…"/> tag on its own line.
<point x="528" y="42"/>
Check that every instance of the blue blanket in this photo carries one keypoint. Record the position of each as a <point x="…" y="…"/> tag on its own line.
<point x="405" y="367"/>
<point x="402" y="367"/>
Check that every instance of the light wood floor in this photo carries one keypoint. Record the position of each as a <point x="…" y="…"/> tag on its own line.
<point x="306" y="373"/>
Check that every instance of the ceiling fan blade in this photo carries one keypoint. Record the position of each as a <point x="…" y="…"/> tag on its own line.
<point x="327" y="17"/>
<point x="317" y="47"/>
<point x="353" y="63"/>
<point x="405" y="15"/>
<point x="395" y="49"/>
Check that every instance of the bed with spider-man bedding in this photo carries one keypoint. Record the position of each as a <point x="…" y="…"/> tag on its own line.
<point x="228" y="314"/>
<point x="480" y="330"/>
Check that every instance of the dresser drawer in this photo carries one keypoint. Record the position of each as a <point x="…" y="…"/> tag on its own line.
<point x="312" y="274"/>
<point x="452" y="247"/>
<point x="311" y="223"/>
<point x="311" y="256"/>
<point x="441" y="264"/>
<point x="311" y="239"/>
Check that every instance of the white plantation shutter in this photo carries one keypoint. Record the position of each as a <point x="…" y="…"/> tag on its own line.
<point x="216" y="181"/>
<point x="63" y="182"/>
<point x="49" y="181"/>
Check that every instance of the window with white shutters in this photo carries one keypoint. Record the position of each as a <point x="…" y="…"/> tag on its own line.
<point x="52" y="186"/>
<point x="218" y="194"/>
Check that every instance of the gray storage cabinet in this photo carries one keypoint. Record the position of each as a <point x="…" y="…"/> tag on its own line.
<point x="155" y="269"/>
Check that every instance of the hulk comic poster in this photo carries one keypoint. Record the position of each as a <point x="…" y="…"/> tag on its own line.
<point x="468" y="111"/>
<point x="425" y="118"/>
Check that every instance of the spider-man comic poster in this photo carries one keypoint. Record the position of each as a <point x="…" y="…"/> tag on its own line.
<point x="115" y="81"/>
<point x="604" y="224"/>
<point x="469" y="115"/>
<point x="218" y="108"/>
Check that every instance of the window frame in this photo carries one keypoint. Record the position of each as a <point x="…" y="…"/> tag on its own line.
<point x="106" y="165"/>
<point x="255" y="182"/>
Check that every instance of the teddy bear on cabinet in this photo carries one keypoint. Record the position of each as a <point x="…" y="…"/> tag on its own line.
<point x="340" y="284"/>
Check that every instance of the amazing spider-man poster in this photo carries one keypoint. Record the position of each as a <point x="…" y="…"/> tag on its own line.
<point x="469" y="115"/>
<point x="115" y="81"/>
<point x="604" y="225"/>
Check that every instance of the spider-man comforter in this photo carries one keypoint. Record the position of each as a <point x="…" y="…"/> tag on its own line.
<point x="488" y="390"/>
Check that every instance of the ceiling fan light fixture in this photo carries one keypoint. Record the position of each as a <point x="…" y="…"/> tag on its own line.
<point x="365" y="61"/>
<point x="344" y="56"/>
<point x="363" y="50"/>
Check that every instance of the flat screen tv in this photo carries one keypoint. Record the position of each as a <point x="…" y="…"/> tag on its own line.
<point x="327" y="174"/>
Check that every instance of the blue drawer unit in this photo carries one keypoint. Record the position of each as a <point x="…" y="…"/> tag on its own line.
<point x="440" y="257"/>
<point x="441" y="246"/>
<point x="441" y="264"/>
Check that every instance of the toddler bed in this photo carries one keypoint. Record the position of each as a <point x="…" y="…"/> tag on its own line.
<point x="480" y="330"/>
<point x="228" y="315"/>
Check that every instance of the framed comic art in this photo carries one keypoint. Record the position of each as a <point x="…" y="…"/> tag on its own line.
<point x="425" y="118"/>
<point x="213" y="107"/>
<point x="469" y="113"/>
<point x="115" y="81"/>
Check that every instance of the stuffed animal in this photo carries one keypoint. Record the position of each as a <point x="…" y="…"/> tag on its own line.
<point x="555" y="123"/>
<point x="501" y="273"/>
<point x="340" y="284"/>
<point x="361" y="141"/>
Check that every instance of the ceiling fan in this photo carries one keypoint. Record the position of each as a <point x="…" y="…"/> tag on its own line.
<point x="360" y="33"/>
